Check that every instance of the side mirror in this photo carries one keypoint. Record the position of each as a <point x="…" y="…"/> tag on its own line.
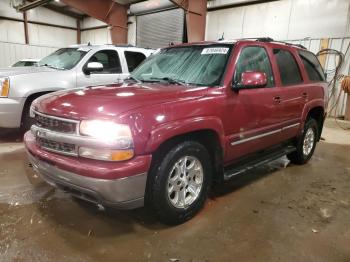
<point x="251" y="79"/>
<point x="93" y="67"/>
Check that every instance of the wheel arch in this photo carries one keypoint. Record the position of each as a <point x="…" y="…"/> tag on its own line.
<point x="318" y="114"/>
<point x="29" y="100"/>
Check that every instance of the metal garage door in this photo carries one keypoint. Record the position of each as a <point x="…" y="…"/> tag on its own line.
<point x="158" y="29"/>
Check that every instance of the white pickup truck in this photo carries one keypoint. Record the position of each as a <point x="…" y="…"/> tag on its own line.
<point x="73" y="67"/>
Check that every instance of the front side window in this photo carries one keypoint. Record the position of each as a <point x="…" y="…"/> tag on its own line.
<point x="196" y="65"/>
<point x="64" y="58"/>
<point x="133" y="59"/>
<point x="110" y="61"/>
<point x="254" y="59"/>
<point x="312" y="66"/>
<point x="288" y="67"/>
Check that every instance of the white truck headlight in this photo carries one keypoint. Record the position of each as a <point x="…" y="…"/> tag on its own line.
<point x="108" y="131"/>
<point x="4" y="87"/>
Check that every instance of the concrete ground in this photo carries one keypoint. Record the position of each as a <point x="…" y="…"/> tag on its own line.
<point x="279" y="212"/>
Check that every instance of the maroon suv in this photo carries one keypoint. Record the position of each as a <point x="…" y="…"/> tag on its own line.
<point x="188" y="116"/>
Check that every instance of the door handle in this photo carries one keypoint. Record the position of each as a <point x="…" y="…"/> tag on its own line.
<point x="305" y="95"/>
<point x="277" y="99"/>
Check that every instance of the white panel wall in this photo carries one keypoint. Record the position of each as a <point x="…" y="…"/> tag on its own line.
<point x="47" y="16"/>
<point x="51" y="36"/>
<point x="284" y="19"/>
<point x="91" y="22"/>
<point x="102" y="36"/>
<point x="7" y="10"/>
<point x="11" y="53"/>
<point x="43" y="39"/>
<point x="11" y="31"/>
<point x="309" y="20"/>
<point x="96" y="36"/>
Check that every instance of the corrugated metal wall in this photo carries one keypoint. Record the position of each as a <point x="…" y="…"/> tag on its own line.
<point x="10" y="52"/>
<point x="337" y="97"/>
<point x="284" y="19"/>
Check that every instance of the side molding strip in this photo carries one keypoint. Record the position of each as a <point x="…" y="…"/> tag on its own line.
<point x="264" y="134"/>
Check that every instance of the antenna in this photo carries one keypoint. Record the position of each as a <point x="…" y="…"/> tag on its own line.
<point x="222" y="37"/>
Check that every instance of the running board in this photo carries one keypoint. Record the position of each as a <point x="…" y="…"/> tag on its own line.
<point x="248" y="165"/>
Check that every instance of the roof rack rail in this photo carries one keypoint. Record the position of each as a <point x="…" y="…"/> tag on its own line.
<point x="269" y="40"/>
<point x="123" y="45"/>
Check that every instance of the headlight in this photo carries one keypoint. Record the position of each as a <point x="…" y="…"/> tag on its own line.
<point x="4" y="87"/>
<point x="108" y="132"/>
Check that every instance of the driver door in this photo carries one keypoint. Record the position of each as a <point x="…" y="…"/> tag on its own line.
<point x="253" y="115"/>
<point x="112" y="70"/>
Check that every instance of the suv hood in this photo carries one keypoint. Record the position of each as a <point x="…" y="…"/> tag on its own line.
<point x="13" y="71"/>
<point x="107" y="102"/>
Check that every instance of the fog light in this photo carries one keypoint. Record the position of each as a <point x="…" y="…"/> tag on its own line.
<point x="106" y="154"/>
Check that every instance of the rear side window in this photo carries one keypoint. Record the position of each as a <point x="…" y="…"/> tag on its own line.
<point x="254" y="58"/>
<point x="312" y="66"/>
<point x="133" y="59"/>
<point x="288" y="67"/>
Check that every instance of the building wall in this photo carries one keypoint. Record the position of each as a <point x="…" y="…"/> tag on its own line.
<point x="102" y="35"/>
<point x="11" y="52"/>
<point x="299" y="21"/>
<point x="42" y="39"/>
<point x="284" y="19"/>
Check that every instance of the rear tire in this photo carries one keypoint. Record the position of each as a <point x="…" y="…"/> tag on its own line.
<point x="306" y="143"/>
<point x="180" y="182"/>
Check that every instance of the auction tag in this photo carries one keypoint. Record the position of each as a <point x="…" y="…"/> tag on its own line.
<point x="215" y="50"/>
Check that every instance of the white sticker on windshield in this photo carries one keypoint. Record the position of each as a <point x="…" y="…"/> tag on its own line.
<point x="84" y="49"/>
<point x="215" y="50"/>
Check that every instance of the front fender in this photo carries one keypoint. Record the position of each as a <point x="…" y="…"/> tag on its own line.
<point x="172" y="129"/>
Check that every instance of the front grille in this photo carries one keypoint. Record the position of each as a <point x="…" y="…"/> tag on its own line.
<point x="58" y="147"/>
<point x="55" y="124"/>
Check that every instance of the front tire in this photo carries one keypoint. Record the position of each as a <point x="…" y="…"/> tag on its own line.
<point x="306" y="143"/>
<point x="27" y="121"/>
<point x="180" y="182"/>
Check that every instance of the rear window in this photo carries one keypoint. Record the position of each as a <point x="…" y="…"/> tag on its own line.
<point x="288" y="67"/>
<point x="312" y="66"/>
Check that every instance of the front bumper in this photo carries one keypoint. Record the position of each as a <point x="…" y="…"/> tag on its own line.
<point x="11" y="112"/>
<point x="124" y="192"/>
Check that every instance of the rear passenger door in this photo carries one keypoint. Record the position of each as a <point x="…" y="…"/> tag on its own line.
<point x="293" y="91"/>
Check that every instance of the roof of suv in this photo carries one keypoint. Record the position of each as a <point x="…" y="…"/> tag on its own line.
<point x="95" y="46"/>
<point x="263" y="40"/>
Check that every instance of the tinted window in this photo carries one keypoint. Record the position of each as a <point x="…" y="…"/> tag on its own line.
<point x="30" y="63"/>
<point x="288" y="67"/>
<point x="254" y="58"/>
<point x="194" y="65"/>
<point x="133" y="59"/>
<point x="312" y="66"/>
<point x="110" y="61"/>
<point x="18" y="64"/>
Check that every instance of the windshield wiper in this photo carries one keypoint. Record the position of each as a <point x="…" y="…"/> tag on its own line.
<point x="51" y="66"/>
<point x="170" y="80"/>
<point x="134" y="79"/>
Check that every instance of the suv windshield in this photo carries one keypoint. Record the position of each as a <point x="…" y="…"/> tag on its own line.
<point x="64" y="58"/>
<point x="196" y="65"/>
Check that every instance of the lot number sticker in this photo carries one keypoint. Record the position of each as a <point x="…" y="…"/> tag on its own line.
<point x="215" y="50"/>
